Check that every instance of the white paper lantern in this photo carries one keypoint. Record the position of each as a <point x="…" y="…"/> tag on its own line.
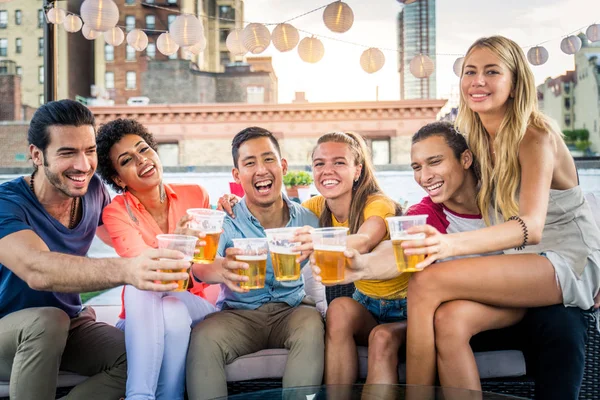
<point x="457" y="67"/>
<point x="421" y="66"/>
<point x="256" y="38"/>
<point x="198" y="47"/>
<point x="72" y="23"/>
<point x="56" y="15"/>
<point x="311" y="50"/>
<point x="186" y="30"/>
<point x="372" y="60"/>
<point x="410" y="1"/>
<point x="338" y="17"/>
<point x="234" y="43"/>
<point x="166" y="45"/>
<point x="137" y="39"/>
<point x="114" y="37"/>
<point x="88" y="33"/>
<point x="285" y="37"/>
<point x="593" y="33"/>
<point x="537" y="55"/>
<point x="100" y="15"/>
<point x="570" y="44"/>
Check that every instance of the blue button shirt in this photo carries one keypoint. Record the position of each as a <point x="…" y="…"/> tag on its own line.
<point x="245" y="225"/>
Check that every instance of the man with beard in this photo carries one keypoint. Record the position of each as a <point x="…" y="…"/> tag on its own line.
<point x="47" y="224"/>
<point x="276" y="316"/>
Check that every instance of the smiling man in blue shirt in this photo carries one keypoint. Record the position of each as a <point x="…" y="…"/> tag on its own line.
<point x="278" y="316"/>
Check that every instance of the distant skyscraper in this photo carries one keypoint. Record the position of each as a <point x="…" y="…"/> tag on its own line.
<point x="416" y="35"/>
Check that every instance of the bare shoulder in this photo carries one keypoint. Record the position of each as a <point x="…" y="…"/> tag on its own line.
<point x="537" y="139"/>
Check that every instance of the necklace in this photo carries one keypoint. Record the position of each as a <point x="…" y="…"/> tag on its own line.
<point x="73" y="204"/>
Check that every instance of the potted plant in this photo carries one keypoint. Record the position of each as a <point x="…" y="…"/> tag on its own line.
<point x="296" y="179"/>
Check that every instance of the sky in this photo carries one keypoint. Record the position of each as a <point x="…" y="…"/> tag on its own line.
<point x="338" y="76"/>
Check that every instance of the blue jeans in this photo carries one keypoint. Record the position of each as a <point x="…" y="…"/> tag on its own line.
<point x="157" y="334"/>
<point x="384" y="311"/>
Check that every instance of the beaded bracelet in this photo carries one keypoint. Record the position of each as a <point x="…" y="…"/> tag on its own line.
<point x="525" y="232"/>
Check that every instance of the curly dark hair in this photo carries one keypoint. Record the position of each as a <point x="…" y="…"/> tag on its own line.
<point x="111" y="133"/>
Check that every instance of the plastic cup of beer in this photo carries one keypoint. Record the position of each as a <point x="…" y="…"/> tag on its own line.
<point x="210" y="222"/>
<point x="255" y="255"/>
<point x="284" y="260"/>
<point x="398" y="227"/>
<point x="183" y="243"/>
<point x="329" y="245"/>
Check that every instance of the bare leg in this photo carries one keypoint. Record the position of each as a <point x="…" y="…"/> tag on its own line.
<point x="526" y="280"/>
<point x="384" y="342"/>
<point x="347" y="323"/>
<point x="455" y="324"/>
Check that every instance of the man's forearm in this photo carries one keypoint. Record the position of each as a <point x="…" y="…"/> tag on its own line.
<point x="56" y="272"/>
<point x="380" y="263"/>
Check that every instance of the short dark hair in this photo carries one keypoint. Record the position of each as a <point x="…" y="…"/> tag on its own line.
<point x="454" y="139"/>
<point x="62" y="112"/>
<point x="250" y="133"/>
<point x="111" y="133"/>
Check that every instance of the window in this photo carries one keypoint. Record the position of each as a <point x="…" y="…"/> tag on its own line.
<point x="109" y="52"/>
<point x="3" y="69"/>
<point x="3" y="19"/>
<point x="151" y="50"/>
<point x="41" y="74"/>
<point x="129" y="22"/>
<point x="129" y="2"/>
<point x="41" y="18"/>
<point x="150" y="21"/>
<point x="129" y="53"/>
<point x="380" y="149"/>
<point x="20" y="71"/>
<point x="172" y="1"/>
<point x="40" y="46"/>
<point x="174" y="56"/>
<point x="255" y="94"/>
<point x="568" y="103"/>
<point x="109" y="80"/>
<point x="19" y="45"/>
<point x="223" y="34"/>
<point x="130" y="80"/>
<point x="170" y="19"/>
<point x="41" y="99"/>
<point x="567" y="120"/>
<point x="224" y="58"/>
<point x="3" y="47"/>
<point x="227" y="13"/>
<point x="168" y="154"/>
<point x="18" y="17"/>
<point x="149" y="1"/>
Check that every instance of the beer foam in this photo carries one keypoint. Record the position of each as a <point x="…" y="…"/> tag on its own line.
<point x="406" y="236"/>
<point x="259" y="257"/>
<point x="283" y="250"/>
<point x="324" y="247"/>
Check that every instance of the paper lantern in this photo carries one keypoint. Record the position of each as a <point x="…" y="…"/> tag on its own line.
<point x="234" y="43"/>
<point x="570" y="44"/>
<point x="256" y="38"/>
<point x="338" y="17"/>
<point x="198" y="47"/>
<point x="56" y="15"/>
<point x="537" y="55"/>
<point x="372" y="60"/>
<point x="593" y="33"/>
<point x="311" y="50"/>
<point x="89" y="33"/>
<point x="285" y="37"/>
<point x="137" y="39"/>
<point x="166" y="45"/>
<point x="100" y="15"/>
<point x="409" y="1"/>
<point x="72" y="23"/>
<point x="457" y="67"/>
<point x="421" y="66"/>
<point x="186" y="30"/>
<point x="114" y="37"/>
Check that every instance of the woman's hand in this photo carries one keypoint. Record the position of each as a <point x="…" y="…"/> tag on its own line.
<point x="226" y="203"/>
<point x="302" y="236"/>
<point x="356" y="266"/>
<point x="597" y="301"/>
<point x="182" y="228"/>
<point x="435" y="246"/>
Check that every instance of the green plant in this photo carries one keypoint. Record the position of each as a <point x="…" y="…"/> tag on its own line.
<point x="297" y="178"/>
<point x="570" y="136"/>
<point x="583" y="145"/>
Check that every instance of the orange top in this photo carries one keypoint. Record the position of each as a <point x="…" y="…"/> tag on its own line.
<point x="132" y="229"/>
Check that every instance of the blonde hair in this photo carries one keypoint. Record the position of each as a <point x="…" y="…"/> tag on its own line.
<point x="366" y="185"/>
<point x="500" y="182"/>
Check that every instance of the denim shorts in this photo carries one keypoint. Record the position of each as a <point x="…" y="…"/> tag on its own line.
<point x="384" y="311"/>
